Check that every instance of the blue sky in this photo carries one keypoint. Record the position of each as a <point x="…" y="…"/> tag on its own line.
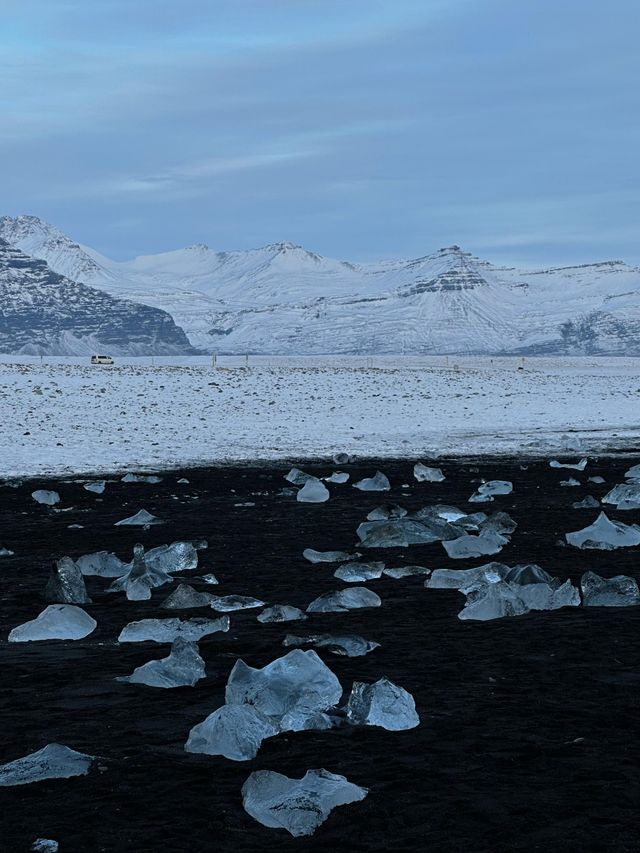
<point x="358" y="128"/>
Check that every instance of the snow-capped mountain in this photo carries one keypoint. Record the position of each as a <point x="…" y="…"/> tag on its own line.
<point x="42" y="312"/>
<point x="282" y="298"/>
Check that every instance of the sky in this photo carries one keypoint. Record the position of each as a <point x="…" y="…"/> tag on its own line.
<point x="361" y="129"/>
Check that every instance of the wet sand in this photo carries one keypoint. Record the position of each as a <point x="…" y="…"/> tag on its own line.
<point x="529" y="735"/>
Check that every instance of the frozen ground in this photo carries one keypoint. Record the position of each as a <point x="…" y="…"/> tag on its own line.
<point x="62" y="415"/>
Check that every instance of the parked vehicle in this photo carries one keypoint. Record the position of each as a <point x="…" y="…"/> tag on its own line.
<point x="101" y="359"/>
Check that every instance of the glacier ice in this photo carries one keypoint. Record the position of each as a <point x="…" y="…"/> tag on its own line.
<point x="176" y="557"/>
<point x="48" y="498"/>
<point x="346" y="645"/>
<point x="66" y="584"/>
<point x="56" y="622"/>
<point x="227" y="603"/>
<point x="314" y="491"/>
<point x="351" y="598"/>
<point x="5" y="552"/>
<point x="570" y="483"/>
<point x="185" y="596"/>
<point x="337" y="477"/>
<point x="633" y="473"/>
<point x="292" y="690"/>
<point x="168" y="630"/>
<point x="342" y="458"/>
<point x="210" y="579"/>
<point x="605" y="535"/>
<point x="97" y="486"/>
<point x="402" y="532"/>
<point x="54" y="761"/>
<point x="358" y="572"/>
<point x="589" y="502"/>
<point x="618" y="591"/>
<point x="384" y="511"/>
<point x="281" y="613"/>
<point x="182" y="668"/>
<point x="102" y="564"/>
<point x="45" y="845"/>
<point x="297" y="805"/>
<point x="424" y="474"/>
<point x="141" y="478"/>
<point x="485" y="544"/>
<point x="233" y="731"/>
<point x="141" y="578"/>
<point x="406" y="571"/>
<point x="597" y="479"/>
<point x="624" y="496"/>
<point x="141" y="519"/>
<point x="530" y="573"/>
<point x="328" y="556"/>
<point x="463" y="578"/>
<point x="497" y="600"/>
<point x="298" y="477"/>
<point x="575" y="466"/>
<point x="382" y="704"/>
<point x="378" y="483"/>
<point x="486" y="491"/>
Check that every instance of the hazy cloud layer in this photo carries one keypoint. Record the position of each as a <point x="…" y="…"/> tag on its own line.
<point x="361" y="129"/>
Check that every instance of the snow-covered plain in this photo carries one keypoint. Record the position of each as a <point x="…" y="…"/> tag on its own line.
<point x="62" y="416"/>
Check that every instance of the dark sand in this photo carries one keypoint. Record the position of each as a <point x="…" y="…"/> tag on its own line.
<point x="530" y="726"/>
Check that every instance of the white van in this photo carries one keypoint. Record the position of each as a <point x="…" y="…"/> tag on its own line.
<point x="101" y="359"/>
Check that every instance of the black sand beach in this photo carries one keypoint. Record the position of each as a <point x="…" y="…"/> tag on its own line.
<point x="530" y="726"/>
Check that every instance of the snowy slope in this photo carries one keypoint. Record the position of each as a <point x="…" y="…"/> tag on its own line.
<point x="42" y="312"/>
<point x="284" y="299"/>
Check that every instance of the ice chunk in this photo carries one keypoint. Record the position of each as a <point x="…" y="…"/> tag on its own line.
<point x="625" y="496"/>
<point x="576" y="466"/>
<point x="424" y="474"/>
<point x="633" y="473"/>
<point x="177" y="557"/>
<point x="141" y="478"/>
<point x="464" y="578"/>
<point x="5" y="552"/>
<point x="297" y="805"/>
<point x="48" y="498"/>
<point x="382" y="704"/>
<point x="233" y="731"/>
<point x="588" y="503"/>
<point x="496" y="600"/>
<point x="102" y="564"/>
<point x="281" y="613"/>
<point x="291" y="690"/>
<point x="337" y="477"/>
<point x="313" y="492"/>
<point x="141" y="578"/>
<point x="486" y="491"/>
<point x="54" y="761"/>
<point x="141" y="519"/>
<point x="346" y="645"/>
<point x="183" y="481"/>
<point x="182" y="668"/>
<point x="342" y="458"/>
<point x="385" y="511"/>
<point x="298" y="477"/>
<point x="378" y="483"/>
<point x="328" y="556"/>
<point x="406" y="571"/>
<point x="210" y="579"/>
<point x="486" y="543"/>
<point x="619" y="591"/>
<point x="168" y="630"/>
<point x="605" y="535"/>
<point x="185" y="596"/>
<point x="45" y="845"/>
<point x="402" y="532"/>
<point x="56" y="622"/>
<point x="571" y="482"/>
<point x="499" y="522"/>
<point x="66" y="584"/>
<point x="358" y="572"/>
<point x="97" y="487"/>
<point x="598" y="479"/>
<point x="227" y="603"/>
<point x="344" y="599"/>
